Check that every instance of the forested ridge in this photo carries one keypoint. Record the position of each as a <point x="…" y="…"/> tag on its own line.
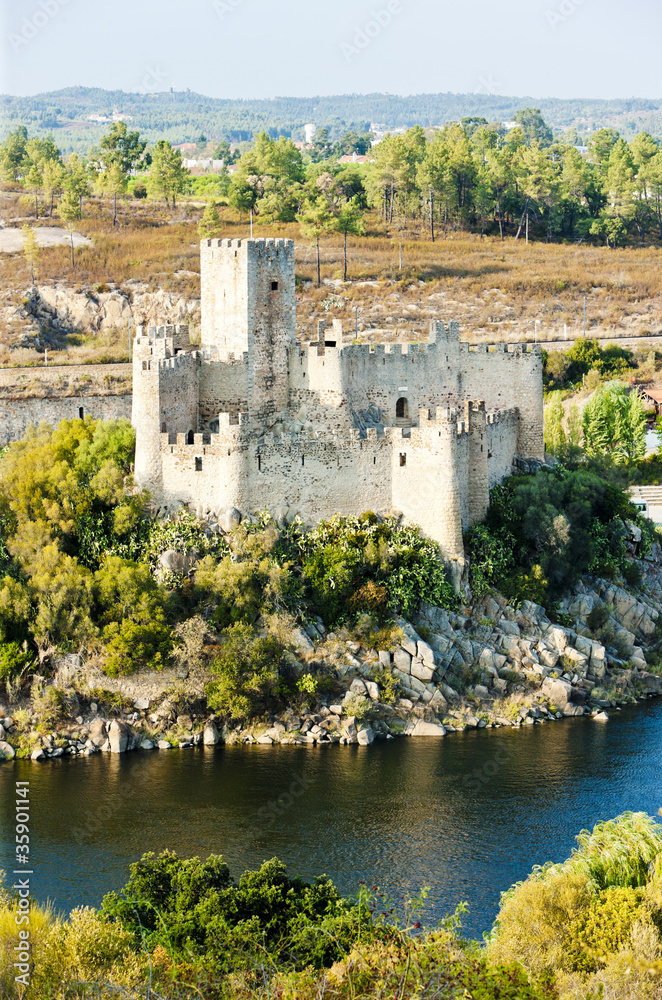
<point x="181" y="116"/>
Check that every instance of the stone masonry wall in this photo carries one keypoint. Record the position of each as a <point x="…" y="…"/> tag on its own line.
<point x="49" y="395"/>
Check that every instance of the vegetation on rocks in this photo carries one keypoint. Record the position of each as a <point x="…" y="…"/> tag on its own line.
<point x="543" y="532"/>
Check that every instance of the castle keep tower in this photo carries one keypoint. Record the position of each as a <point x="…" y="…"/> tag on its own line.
<point x="248" y="306"/>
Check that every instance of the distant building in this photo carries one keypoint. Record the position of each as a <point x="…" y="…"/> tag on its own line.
<point x="355" y="158"/>
<point x="310" y="131"/>
<point x="208" y="164"/>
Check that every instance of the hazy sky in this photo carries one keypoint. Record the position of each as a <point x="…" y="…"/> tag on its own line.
<point x="262" y="48"/>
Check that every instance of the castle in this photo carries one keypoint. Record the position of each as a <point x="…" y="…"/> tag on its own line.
<point x="255" y="419"/>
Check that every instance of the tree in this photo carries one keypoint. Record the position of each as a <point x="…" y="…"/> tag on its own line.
<point x="315" y="220"/>
<point x="30" y="249"/>
<point x="167" y="176"/>
<point x="76" y="184"/>
<point x="53" y="179"/>
<point x="113" y="182"/>
<point x="614" y="423"/>
<point x="33" y="182"/>
<point x="243" y="195"/>
<point x="348" y="220"/>
<point x="555" y="437"/>
<point x="121" y="147"/>
<point x="210" y="224"/>
<point x="534" y="127"/>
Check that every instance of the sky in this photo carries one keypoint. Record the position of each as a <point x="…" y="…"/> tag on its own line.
<point x="269" y="48"/>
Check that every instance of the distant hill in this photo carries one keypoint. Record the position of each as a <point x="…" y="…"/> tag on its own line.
<point x="183" y="116"/>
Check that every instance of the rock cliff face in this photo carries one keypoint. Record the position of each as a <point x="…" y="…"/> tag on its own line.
<point x="46" y="314"/>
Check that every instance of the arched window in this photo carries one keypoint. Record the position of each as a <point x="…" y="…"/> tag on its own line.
<point x="402" y="409"/>
<point x="191" y="438"/>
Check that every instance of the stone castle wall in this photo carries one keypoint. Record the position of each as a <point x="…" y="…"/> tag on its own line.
<point x="61" y="392"/>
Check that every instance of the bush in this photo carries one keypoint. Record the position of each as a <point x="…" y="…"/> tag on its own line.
<point x="14" y="661"/>
<point x="347" y="561"/>
<point x="251" y="673"/>
<point x="194" y="907"/>
<point x="574" y="918"/>
<point x="542" y="532"/>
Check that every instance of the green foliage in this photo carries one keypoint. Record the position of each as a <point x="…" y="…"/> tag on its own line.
<point x="345" y="554"/>
<point x="543" y="532"/>
<point x="566" y="369"/>
<point x="251" y="673"/>
<point x="614" y="424"/>
<point x="184" y="534"/>
<point x="194" y="907"/>
<point x="576" y="917"/>
<point x="14" y="661"/>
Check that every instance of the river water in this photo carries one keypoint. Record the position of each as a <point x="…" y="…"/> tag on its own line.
<point x="467" y="815"/>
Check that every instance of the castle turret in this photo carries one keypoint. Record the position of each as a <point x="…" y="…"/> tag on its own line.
<point x="248" y="305"/>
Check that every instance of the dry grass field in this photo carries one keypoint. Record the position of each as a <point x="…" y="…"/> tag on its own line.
<point x="497" y="291"/>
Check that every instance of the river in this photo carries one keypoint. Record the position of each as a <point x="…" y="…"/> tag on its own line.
<point x="466" y="815"/>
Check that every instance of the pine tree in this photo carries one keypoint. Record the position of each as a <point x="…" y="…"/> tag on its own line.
<point x="210" y="224"/>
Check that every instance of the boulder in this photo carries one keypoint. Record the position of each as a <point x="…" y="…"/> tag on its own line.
<point x="422" y="728"/>
<point x="385" y="658"/>
<point x="146" y="745"/>
<point x="557" y="638"/>
<point x="119" y="736"/>
<point x="210" y="736"/>
<point x="373" y="690"/>
<point x="174" y="562"/>
<point x="481" y="692"/>
<point x="7" y="751"/>
<point x="350" y="729"/>
<point x="164" y="745"/>
<point x="402" y="660"/>
<point x="301" y="641"/>
<point x="571" y="710"/>
<point x="266" y="740"/>
<point x="37" y="754"/>
<point x="365" y="736"/>
<point x="423" y="671"/>
<point x="185" y="721"/>
<point x="425" y="653"/>
<point x="141" y="704"/>
<point x="98" y="732"/>
<point x="601" y="717"/>
<point x="228" y="519"/>
<point x="559" y="692"/>
<point x="357" y="686"/>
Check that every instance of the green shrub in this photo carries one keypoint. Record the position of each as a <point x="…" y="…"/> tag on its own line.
<point x="542" y="532"/>
<point x="194" y="907"/>
<point x="14" y="661"/>
<point x="345" y="554"/>
<point x="251" y="673"/>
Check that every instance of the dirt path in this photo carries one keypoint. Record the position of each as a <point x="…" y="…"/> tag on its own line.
<point x="11" y="240"/>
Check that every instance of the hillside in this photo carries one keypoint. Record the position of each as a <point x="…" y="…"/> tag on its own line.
<point x="183" y="116"/>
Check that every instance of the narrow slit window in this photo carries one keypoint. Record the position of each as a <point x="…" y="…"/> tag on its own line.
<point x="403" y="459"/>
<point x="274" y="286"/>
<point x="303" y="459"/>
<point x="198" y="465"/>
<point x="259" y="463"/>
<point x="81" y="412"/>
